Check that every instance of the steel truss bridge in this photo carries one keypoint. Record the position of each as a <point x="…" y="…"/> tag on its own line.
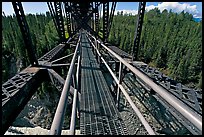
<point x="93" y="102"/>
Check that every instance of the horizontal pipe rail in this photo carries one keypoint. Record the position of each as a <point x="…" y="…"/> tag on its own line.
<point x="74" y="106"/>
<point x="139" y="114"/>
<point x="178" y="105"/>
<point x="57" y="123"/>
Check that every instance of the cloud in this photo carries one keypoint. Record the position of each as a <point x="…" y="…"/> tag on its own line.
<point x="175" y="6"/>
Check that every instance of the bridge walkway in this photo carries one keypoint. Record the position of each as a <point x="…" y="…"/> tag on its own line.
<point x="98" y="112"/>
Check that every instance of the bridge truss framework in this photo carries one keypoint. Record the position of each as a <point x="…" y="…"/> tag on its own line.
<point x="184" y="103"/>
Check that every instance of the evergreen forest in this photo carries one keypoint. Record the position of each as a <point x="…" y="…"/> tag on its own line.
<point x="170" y="41"/>
<point x="43" y="34"/>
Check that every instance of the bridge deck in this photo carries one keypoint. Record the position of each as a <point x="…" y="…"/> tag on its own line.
<point x="98" y="114"/>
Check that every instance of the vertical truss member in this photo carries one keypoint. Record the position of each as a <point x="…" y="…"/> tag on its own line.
<point x="73" y="20"/>
<point x="59" y="19"/>
<point x="138" y="30"/>
<point x="18" y="8"/>
<point x="68" y="16"/>
<point x="111" y="17"/>
<point x="96" y="17"/>
<point x="64" y="16"/>
<point x="52" y="12"/>
<point x="105" y="20"/>
<point x="92" y="15"/>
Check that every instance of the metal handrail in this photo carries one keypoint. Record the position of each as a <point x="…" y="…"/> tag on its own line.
<point x="194" y="118"/>
<point x="139" y="114"/>
<point x="57" y="123"/>
<point x="75" y="98"/>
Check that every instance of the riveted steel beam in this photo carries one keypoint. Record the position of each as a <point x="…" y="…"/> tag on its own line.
<point x="17" y="91"/>
<point x="18" y="8"/>
<point x="138" y="30"/>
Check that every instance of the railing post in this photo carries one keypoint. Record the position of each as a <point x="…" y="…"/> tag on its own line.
<point x="95" y="50"/>
<point x="78" y="106"/>
<point x="98" y="56"/>
<point x="118" y="90"/>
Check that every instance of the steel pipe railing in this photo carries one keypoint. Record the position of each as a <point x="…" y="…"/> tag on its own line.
<point x="57" y="123"/>
<point x="194" y="118"/>
<point x="139" y="114"/>
<point x="74" y="106"/>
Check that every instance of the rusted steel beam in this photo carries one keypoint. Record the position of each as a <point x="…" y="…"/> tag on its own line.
<point x="18" y="8"/>
<point x="17" y="91"/>
<point x="138" y="30"/>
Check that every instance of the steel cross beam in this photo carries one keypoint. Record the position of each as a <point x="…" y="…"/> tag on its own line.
<point x="18" y="8"/>
<point x="83" y="22"/>
<point x="88" y="15"/>
<point x="59" y="19"/>
<point x="138" y="31"/>
<point x="86" y="26"/>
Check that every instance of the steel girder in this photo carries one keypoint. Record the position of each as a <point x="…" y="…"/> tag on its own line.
<point x="68" y="16"/>
<point x="92" y="16"/>
<point x="96" y="17"/>
<point x="190" y="97"/>
<point x="82" y="22"/>
<point x="17" y="91"/>
<point x="105" y="20"/>
<point x="138" y="30"/>
<point x="50" y="6"/>
<point x="59" y="19"/>
<point x="18" y="8"/>
<point x="111" y="16"/>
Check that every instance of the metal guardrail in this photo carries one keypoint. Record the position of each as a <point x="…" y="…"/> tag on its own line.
<point x="118" y="81"/>
<point x="194" y="118"/>
<point x="57" y="123"/>
<point x="74" y="106"/>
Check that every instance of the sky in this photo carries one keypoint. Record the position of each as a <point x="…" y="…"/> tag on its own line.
<point x="194" y="8"/>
